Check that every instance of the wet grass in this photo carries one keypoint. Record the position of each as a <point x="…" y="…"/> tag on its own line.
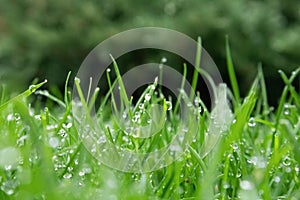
<point x="255" y="154"/>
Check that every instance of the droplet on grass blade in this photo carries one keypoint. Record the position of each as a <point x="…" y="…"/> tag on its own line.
<point x="277" y="179"/>
<point x="147" y="97"/>
<point x="67" y="176"/>
<point x="169" y="105"/>
<point x="8" y="187"/>
<point x="10" y="117"/>
<point x="164" y="60"/>
<point x="252" y="122"/>
<point x="9" y="157"/>
<point x="246" y="185"/>
<point x="54" y="142"/>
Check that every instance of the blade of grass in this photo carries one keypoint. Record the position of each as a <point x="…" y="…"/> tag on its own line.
<point x="197" y="68"/>
<point x="263" y="90"/>
<point x="231" y="71"/>
<point x="121" y="84"/>
<point x="25" y="94"/>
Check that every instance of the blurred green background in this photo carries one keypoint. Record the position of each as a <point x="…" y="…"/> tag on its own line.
<point x="46" y="39"/>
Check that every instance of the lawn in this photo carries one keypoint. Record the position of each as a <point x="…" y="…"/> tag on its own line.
<point x="243" y="149"/>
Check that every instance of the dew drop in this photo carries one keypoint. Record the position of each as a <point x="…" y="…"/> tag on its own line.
<point x="276" y="179"/>
<point x="17" y="117"/>
<point x="32" y="88"/>
<point x="246" y="185"/>
<point x="251" y="122"/>
<point x="9" y="157"/>
<point x="141" y="106"/>
<point x="197" y="101"/>
<point x="226" y="185"/>
<point x="164" y="60"/>
<point x="68" y="125"/>
<point x="37" y="117"/>
<point x="235" y="146"/>
<point x="286" y="161"/>
<point x="10" y="117"/>
<point x="169" y="105"/>
<point x="8" y="187"/>
<point x="54" y="142"/>
<point x="147" y="97"/>
<point x="287" y="109"/>
<point x="67" y="176"/>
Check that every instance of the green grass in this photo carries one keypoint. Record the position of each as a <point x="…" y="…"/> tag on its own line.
<point x="257" y="155"/>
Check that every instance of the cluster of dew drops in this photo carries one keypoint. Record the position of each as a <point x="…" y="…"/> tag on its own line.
<point x="18" y="171"/>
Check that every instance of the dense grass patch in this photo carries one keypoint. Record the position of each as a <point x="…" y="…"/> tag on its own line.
<point x="257" y="155"/>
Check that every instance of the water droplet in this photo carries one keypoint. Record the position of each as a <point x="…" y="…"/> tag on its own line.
<point x="8" y="187"/>
<point x="276" y="179"/>
<point x="152" y="87"/>
<point x="297" y="170"/>
<point x="199" y="110"/>
<point x="164" y="60"/>
<point x="10" y="117"/>
<point x="169" y="105"/>
<point x="8" y="167"/>
<point x="62" y="133"/>
<point x="251" y="122"/>
<point x="246" y="185"/>
<point x="258" y="162"/>
<point x="108" y="70"/>
<point x="68" y="125"/>
<point x="226" y="185"/>
<point x="77" y="80"/>
<point x="67" y="176"/>
<point x="147" y="97"/>
<point x="54" y="142"/>
<point x="21" y="140"/>
<point x="124" y="115"/>
<point x="32" y="88"/>
<point x="9" y="158"/>
<point x="141" y="106"/>
<point x="197" y="101"/>
<point x="51" y="127"/>
<point x="37" y="117"/>
<point x="288" y="170"/>
<point x="175" y="148"/>
<point x="235" y="146"/>
<point x="17" y="116"/>
<point x="287" y="109"/>
<point x="85" y="171"/>
<point x="286" y="161"/>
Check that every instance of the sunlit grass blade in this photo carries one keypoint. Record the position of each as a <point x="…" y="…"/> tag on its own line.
<point x="197" y="68"/>
<point x="284" y="94"/>
<point x="51" y="97"/>
<point x="25" y="94"/>
<point x="263" y="90"/>
<point x="232" y="74"/>
<point x="123" y="93"/>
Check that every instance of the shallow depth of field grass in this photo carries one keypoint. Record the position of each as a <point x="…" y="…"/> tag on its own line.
<point x="257" y="155"/>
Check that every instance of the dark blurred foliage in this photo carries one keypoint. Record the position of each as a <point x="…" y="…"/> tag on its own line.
<point x="46" y="39"/>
